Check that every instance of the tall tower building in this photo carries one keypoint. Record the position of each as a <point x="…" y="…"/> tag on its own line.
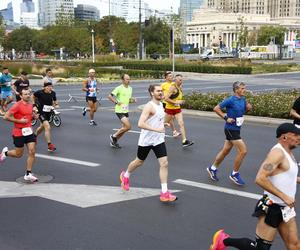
<point x="85" y="12"/>
<point x="28" y="15"/>
<point x="51" y="10"/>
<point x="187" y="7"/>
<point x="27" y="6"/>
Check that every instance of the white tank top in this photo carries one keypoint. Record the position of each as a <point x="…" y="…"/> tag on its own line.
<point x="286" y="181"/>
<point x="151" y="138"/>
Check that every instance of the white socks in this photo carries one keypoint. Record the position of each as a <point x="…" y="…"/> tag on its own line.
<point x="164" y="187"/>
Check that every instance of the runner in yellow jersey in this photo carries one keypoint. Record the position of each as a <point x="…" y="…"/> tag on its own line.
<point x="165" y="88"/>
<point x="173" y="99"/>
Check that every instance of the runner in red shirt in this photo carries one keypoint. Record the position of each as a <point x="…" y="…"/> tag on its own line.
<point x="21" y="115"/>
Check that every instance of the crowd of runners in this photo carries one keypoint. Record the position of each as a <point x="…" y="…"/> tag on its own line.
<point x="278" y="174"/>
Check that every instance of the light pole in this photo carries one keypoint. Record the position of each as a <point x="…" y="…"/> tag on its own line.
<point x="93" y="45"/>
<point x="173" y="42"/>
<point x="140" y="31"/>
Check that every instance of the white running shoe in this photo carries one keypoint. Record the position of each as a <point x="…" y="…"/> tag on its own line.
<point x="2" y="155"/>
<point x="30" y="177"/>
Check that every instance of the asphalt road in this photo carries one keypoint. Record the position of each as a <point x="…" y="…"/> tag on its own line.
<point x="83" y="206"/>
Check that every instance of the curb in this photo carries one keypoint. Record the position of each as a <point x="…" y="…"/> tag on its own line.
<point x="248" y="118"/>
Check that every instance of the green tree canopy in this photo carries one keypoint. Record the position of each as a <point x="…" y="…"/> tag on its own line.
<point x="271" y="33"/>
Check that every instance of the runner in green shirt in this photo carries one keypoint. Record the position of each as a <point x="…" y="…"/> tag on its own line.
<point x="121" y="96"/>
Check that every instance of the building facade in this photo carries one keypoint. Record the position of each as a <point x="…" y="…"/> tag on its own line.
<point x="187" y="7"/>
<point x="86" y="12"/>
<point x="51" y="10"/>
<point x="7" y="13"/>
<point x="27" y="6"/>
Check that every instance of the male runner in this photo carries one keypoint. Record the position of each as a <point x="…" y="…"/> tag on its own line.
<point x="121" y="96"/>
<point x="152" y="137"/>
<point x="90" y="86"/>
<point x="165" y="88"/>
<point x="295" y="112"/>
<point x="45" y="100"/>
<point x="278" y="176"/>
<point x="21" y="83"/>
<point x="49" y="76"/>
<point x="21" y="115"/>
<point x="173" y="100"/>
<point x="6" y="90"/>
<point x="236" y="106"/>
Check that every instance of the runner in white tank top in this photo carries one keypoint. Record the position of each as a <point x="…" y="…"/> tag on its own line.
<point x="278" y="176"/>
<point x="152" y="137"/>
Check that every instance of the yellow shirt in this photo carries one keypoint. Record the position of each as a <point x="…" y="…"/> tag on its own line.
<point x="165" y="88"/>
<point x="177" y="96"/>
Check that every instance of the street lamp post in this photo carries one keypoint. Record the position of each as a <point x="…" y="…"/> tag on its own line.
<point x="93" y="45"/>
<point x="140" y="32"/>
<point x="173" y="42"/>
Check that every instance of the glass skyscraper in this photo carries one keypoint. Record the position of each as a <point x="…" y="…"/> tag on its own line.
<point x="187" y="7"/>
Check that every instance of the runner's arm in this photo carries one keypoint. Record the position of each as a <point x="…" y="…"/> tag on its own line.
<point x="146" y="113"/>
<point x="112" y="98"/>
<point x="294" y="114"/>
<point x="267" y="169"/>
<point x="10" y="117"/>
<point x="84" y="86"/>
<point x="168" y="99"/>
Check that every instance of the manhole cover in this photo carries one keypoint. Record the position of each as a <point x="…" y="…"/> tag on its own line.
<point x="41" y="179"/>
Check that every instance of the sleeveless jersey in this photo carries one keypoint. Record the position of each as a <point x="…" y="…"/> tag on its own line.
<point x="92" y="88"/>
<point x="175" y="97"/>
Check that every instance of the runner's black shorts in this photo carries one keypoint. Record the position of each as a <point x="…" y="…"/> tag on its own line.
<point x="121" y="115"/>
<point x="232" y="135"/>
<point x="19" y="141"/>
<point x="159" y="150"/>
<point x="44" y="116"/>
<point x="91" y="99"/>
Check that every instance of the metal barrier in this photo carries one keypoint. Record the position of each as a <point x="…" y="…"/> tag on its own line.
<point x="80" y="98"/>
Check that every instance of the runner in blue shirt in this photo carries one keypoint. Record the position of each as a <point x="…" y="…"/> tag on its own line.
<point x="6" y="90"/>
<point x="236" y="106"/>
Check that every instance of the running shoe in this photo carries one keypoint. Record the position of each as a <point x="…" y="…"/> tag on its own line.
<point x="212" y="173"/>
<point x="30" y="177"/>
<point x="237" y="179"/>
<point x="167" y="197"/>
<point x="176" y="134"/>
<point x="115" y="145"/>
<point x="187" y="143"/>
<point x="84" y="111"/>
<point x="2" y="155"/>
<point x="124" y="181"/>
<point x="93" y="123"/>
<point x="218" y="239"/>
<point x="51" y="147"/>
<point x="113" y="139"/>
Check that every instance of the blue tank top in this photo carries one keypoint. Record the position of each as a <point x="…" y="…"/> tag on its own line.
<point x="92" y="88"/>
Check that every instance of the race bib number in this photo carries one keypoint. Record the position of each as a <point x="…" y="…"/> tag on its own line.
<point x="27" y="131"/>
<point x="92" y="90"/>
<point x="124" y="107"/>
<point x="47" y="108"/>
<point x="288" y="213"/>
<point x="239" y="121"/>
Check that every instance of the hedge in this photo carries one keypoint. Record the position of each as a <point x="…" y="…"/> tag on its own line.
<point x="276" y="104"/>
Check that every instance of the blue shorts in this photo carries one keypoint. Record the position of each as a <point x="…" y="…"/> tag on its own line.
<point x="5" y="94"/>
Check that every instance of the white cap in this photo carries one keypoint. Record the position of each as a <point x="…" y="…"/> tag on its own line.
<point x="92" y="71"/>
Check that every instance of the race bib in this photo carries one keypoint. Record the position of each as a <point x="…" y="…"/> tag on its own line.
<point x="8" y="84"/>
<point x="239" y="121"/>
<point x="27" y="131"/>
<point x="124" y="107"/>
<point x="288" y="213"/>
<point x="92" y="90"/>
<point x="47" y="108"/>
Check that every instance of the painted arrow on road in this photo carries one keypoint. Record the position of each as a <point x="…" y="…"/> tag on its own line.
<point x="77" y="195"/>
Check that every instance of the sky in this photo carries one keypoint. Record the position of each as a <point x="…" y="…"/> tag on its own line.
<point x="102" y="5"/>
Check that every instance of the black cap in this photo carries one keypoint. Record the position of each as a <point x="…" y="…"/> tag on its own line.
<point x="47" y="84"/>
<point x="287" y="128"/>
<point x="24" y="73"/>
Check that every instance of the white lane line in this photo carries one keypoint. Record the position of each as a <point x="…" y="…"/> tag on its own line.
<point x="218" y="189"/>
<point x="68" y="160"/>
<point x="137" y="132"/>
<point x="65" y="110"/>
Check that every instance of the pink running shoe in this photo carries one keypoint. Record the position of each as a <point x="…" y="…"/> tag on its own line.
<point x="167" y="197"/>
<point x="124" y="181"/>
<point x="176" y="134"/>
<point x="30" y="177"/>
<point x="2" y="155"/>
<point x="218" y="238"/>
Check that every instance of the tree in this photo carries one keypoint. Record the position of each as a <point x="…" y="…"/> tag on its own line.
<point x="266" y="34"/>
<point x="243" y="33"/>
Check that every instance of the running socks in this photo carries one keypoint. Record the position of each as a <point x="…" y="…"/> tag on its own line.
<point x="164" y="187"/>
<point x="248" y="244"/>
<point x="28" y="172"/>
<point x="127" y="174"/>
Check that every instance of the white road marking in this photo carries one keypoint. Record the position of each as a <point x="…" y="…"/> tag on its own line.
<point x="62" y="110"/>
<point x="77" y="195"/>
<point x="219" y="189"/>
<point x="136" y="132"/>
<point x="68" y="160"/>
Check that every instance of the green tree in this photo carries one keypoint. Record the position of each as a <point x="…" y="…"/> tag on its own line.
<point x="2" y="30"/>
<point x="243" y="33"/>
<point x="267" y="33"/>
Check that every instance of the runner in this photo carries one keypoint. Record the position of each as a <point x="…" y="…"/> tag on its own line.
<point x="236" y="106"/>
<point x="121" y="96"/>
<point x="90" y="86"/>
<point x="21" y="83"/>
<point x="21" y="115"/>
<point x="165" y="88"/>
<point x="278" y="176"/>
<point x="6" y="90"/>
<point x="49" y="76"/>
<point x="45" y="100"/>
<point x="152" y="137"/>
<point x="295" y="112"/>
<point x="173" y="100"/>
